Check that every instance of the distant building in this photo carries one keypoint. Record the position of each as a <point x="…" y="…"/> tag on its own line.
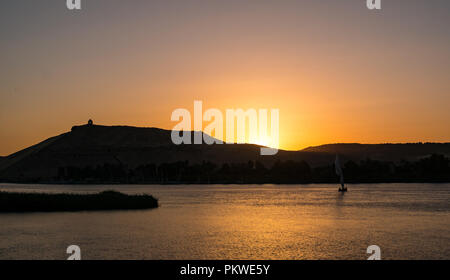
<point x="89" y="123"/>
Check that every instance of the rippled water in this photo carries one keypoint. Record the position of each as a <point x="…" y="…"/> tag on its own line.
<point x="407" y="221"/>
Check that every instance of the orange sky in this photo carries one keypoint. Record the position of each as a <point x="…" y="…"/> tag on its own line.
<point x="336" y="71"/>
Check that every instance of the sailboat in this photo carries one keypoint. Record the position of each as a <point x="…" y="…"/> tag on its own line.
<point x="339" y="172"/>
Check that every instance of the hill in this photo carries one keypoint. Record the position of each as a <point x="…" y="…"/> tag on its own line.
<point x="384" y="152"/>
<point x="93" y="146"/>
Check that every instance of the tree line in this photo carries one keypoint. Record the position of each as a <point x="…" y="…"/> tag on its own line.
<point x="435" y="168"/>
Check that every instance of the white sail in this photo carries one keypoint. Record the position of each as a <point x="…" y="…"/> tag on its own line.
<point x="338" y="168"/>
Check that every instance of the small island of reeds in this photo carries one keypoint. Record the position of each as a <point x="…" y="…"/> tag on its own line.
<point x="47" y="202"/>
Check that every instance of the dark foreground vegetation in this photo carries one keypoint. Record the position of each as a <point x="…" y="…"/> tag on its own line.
<point x="435" y="168"/>
<point x="44" y="202"/>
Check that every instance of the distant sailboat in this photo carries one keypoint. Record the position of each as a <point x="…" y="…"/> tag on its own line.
<point x="339" y="172"/>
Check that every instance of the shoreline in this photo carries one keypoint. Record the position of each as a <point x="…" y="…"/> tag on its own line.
<point x="22" y="202"/>
<point x="223" y="183"/>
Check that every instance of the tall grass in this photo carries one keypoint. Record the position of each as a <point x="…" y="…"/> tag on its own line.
<point x="45" y="202"/>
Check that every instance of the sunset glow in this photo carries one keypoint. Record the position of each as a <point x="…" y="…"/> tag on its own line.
<point x="352" y="75"/>
<point x="225" y="139"/>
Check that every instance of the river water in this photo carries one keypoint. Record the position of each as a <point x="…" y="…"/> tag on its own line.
<point x="407" y="221"/>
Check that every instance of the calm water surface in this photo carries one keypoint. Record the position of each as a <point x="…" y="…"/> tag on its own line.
<point x="408" y="221"/>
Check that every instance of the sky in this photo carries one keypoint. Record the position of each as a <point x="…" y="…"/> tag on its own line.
<point x="337" y="71"/>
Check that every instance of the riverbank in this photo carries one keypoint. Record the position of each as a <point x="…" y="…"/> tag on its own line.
<point x="45" y="202"/>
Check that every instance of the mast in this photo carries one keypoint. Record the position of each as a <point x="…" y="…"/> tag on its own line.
<point x="340" y="173"/>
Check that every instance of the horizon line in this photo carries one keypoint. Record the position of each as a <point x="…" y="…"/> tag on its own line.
<point x="280" y="149"/>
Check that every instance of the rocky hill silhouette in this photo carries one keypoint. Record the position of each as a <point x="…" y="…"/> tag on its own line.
<point x="384" y="152"/>
<point x="131" y="147"/>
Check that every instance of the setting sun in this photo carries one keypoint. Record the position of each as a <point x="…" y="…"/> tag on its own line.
<point x="225" y="139"/>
